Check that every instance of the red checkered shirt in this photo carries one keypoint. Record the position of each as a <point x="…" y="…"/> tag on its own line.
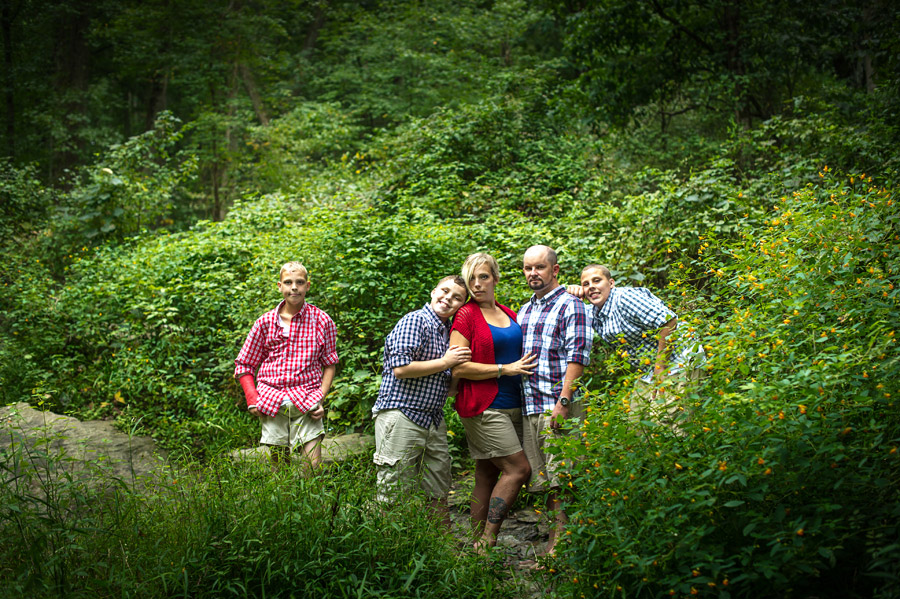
<point x="289" y="367"/>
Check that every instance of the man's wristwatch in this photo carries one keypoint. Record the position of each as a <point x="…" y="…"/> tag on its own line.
<point x="565" y="401"/>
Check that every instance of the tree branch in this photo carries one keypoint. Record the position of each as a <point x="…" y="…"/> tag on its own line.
<point x="659" y="10"/>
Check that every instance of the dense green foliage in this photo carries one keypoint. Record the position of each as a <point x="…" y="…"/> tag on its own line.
<point x="792" y="445"/>
<point x="744" y="172"/>
<point x="744" y="59"/>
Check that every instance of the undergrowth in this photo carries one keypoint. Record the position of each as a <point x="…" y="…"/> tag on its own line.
<point x="219" y="530"/>
<point x="784" y="479"/>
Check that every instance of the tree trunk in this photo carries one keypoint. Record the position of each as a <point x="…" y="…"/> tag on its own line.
<point x="731" y="23"/>
<point x="6" y="20"/>
<point x="217" y="202"/>
<point x="157" y="99"/>
<point x="253" y="92"/>
<point x="315" y="28"/>
<point x="869" y="25"/>
<point x="72" y="65"/>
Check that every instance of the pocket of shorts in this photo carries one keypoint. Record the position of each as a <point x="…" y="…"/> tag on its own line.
<point x="389" y="422"/>
<point x="381" y="460"/>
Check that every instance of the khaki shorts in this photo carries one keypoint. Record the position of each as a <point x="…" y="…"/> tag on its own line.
<point x="667" y="408"/>
<point x="544" y="465"/>
<point x="494" y="433"/>
<point x="408" y="456"/>
<point x="290" y="428"/>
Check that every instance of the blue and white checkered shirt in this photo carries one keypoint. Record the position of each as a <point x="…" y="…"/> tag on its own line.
<point x="419" y="336"/>
<point x="630" y="319"/>
<point x="554" y="328"/>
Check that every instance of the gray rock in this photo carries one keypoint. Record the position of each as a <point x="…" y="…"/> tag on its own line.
<point x="334" y="449"/>
<point x="526" y="515"/>
<point x="46" y="440"/>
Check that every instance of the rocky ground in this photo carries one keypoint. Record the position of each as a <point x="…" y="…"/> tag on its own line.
<point x="523" y="533"/>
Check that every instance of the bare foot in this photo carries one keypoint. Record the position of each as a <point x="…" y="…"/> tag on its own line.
<point x="482" y="546"/>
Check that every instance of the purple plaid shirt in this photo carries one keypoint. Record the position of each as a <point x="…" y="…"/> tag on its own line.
<point x="556" y="328"/>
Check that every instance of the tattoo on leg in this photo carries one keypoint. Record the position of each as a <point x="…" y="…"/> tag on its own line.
<point x="497" y="510"/>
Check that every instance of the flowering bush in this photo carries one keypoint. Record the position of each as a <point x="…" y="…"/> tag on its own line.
<point x="786" y="479"/>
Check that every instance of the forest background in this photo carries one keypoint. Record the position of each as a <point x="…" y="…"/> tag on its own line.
<point x="162" y="159"/>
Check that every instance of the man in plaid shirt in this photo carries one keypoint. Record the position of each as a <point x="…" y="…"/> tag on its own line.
<point x="291" y="351"/>
<point x="410" y="431"/>
<point x="640" y="325"/>
<point x="555" y="327"/>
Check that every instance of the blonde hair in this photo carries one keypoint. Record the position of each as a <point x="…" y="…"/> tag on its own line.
<point x="476" y="260"/>
<point x="291" y="267"/>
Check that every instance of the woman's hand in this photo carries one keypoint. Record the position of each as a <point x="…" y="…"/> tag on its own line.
<point x="523" y="365"/>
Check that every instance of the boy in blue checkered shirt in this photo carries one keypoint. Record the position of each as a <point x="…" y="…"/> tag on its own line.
<point x="639" y="323"/>
<point x="410" y="432"/>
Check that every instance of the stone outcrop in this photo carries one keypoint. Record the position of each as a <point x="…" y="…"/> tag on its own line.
<point x="47" y="439"/>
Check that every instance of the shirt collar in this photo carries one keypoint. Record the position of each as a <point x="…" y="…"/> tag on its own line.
<point x="301" y="312"/>
<point x="550" y="297"/>
<point x="445" y="325"/>
<point x="603" y="313"/>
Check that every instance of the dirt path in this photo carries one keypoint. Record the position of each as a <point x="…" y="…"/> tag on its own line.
<point x="523" y="532"/>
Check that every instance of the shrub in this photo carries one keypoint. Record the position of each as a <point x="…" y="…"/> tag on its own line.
<point x="786" y="482"/>
<point x="502" y="153"/>
<point x="24" y="201"/>
<point x="294" y="146"/>
<point x="136" y="185"/>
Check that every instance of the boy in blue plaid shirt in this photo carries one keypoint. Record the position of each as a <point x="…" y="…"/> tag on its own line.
<point x="643" y="325"/>
<point x="410" y="431"/>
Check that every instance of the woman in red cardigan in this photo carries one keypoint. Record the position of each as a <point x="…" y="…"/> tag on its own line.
<point x="489" y="398"/>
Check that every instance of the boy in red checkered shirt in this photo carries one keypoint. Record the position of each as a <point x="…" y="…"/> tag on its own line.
<point x="291" y="351"/>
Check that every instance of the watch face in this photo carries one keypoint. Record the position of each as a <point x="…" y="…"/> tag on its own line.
<point x="564" y="401"/>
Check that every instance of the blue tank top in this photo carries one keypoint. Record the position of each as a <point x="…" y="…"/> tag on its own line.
<point x="507" y="349"/>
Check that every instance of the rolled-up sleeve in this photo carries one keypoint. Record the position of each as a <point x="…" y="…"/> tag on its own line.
<point x="579" y="336"/>
<point x="329" y="341"/>
<point x="253" y="352"/>
<point x="643" y="309"/>
<point x="404" y="343"/>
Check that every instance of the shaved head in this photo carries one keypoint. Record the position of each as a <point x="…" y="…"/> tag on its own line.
<point x="543" y="251"/>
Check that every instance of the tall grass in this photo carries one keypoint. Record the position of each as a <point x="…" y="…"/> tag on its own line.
<point x="219" y="530"/>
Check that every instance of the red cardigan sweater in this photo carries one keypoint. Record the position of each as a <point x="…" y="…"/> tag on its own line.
<point x="474" y="397"/>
